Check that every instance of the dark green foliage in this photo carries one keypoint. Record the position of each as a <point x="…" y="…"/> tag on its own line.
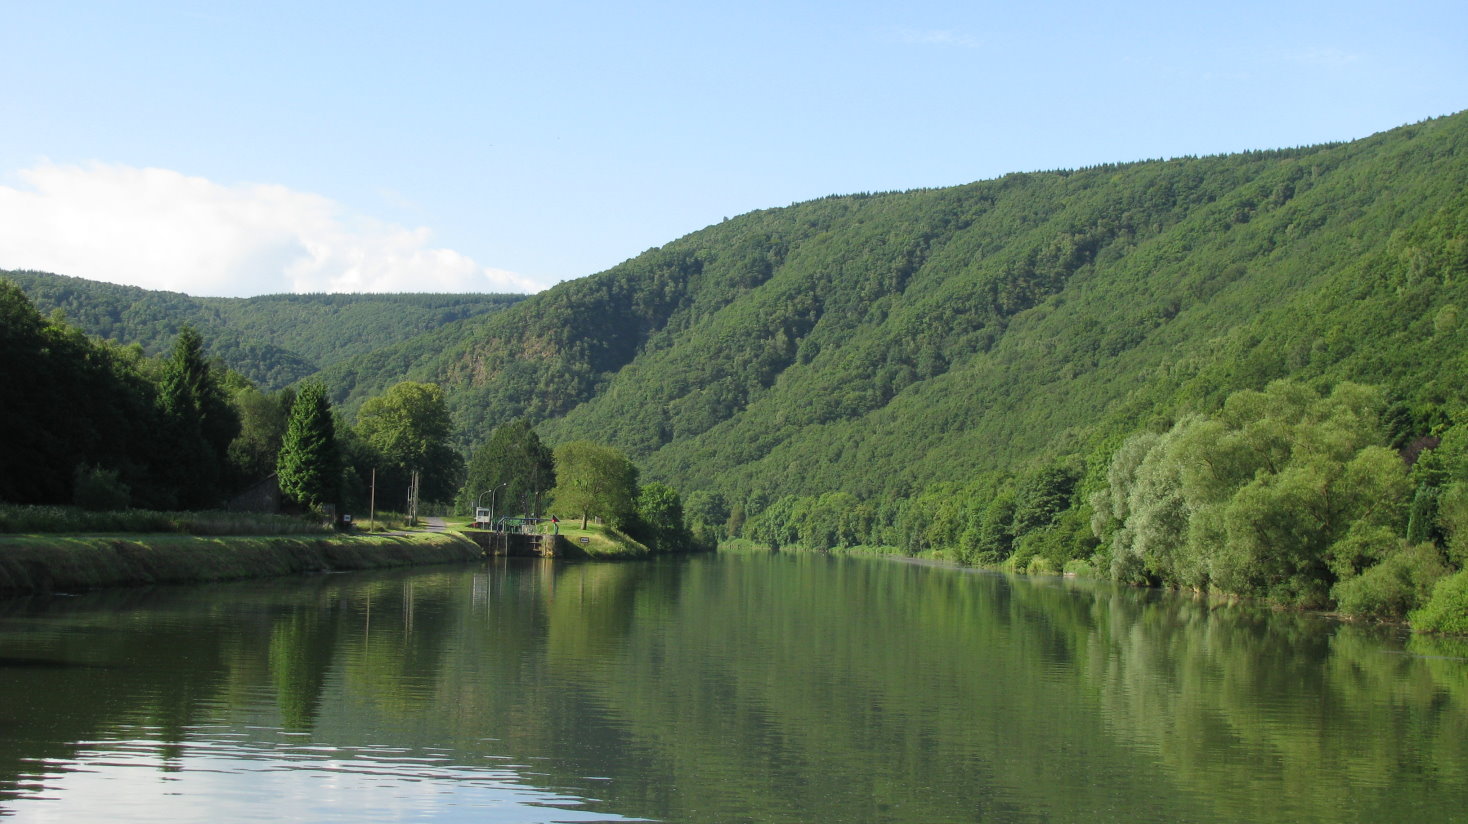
<point x="1042" y="496"/>
<point x="103" y="426"/>
<point x="198" y="425"/>
<point x="708" y="516"/>
<point x="309" y="464"/>
<point x="99" y="490"/>
<point x="993" y="539"/>
<point x="263" y="419"/>
<point x="359" y="460"/>
<point x="659" y="521"/>
<point x="513" y="470"/>
<point x="68" y="402"/>
<point x="273" y="340"/>
<point x="1066" y="539"/>
<point x="774" y="526"/>
<point x="1422" y="516"/>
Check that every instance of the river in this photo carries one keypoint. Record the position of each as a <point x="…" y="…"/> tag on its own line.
<point x="721" y="688"/>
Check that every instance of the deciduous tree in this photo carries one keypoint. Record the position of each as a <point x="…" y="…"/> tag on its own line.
<point x="408" y="426"/>
<point x="595" y="480"/>
<point x="514" y="464"/>
<point x="660" y="517"/>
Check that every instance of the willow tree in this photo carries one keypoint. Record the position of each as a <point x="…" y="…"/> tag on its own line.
<point x="1283" y="494"/>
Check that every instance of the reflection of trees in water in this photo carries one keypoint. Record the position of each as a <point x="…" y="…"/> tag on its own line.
<point x="775" y="688"/>
<point x="165" y="660"/>
<point x="957" y="694"/>
<point x="393" y="635"/>
<point x="99" y="663"/>
<point x="301" y="646"/>
<point x="811" y="688"/>
<point x="1306" y="718"/>
<point x="593" y="608"/>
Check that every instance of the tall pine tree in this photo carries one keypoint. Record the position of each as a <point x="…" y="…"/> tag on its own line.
<point x="200" y="424"/>
<point x="309" y="464"/>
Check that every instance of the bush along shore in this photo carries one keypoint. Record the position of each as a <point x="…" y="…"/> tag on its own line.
<point x="40" y="563"/>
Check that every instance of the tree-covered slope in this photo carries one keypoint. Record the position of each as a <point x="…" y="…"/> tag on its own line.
<point x="1243" y="374"/>
<point x="273" y="339"/>
<point x="1192" y="278"/>
<point x="879" y="344"/>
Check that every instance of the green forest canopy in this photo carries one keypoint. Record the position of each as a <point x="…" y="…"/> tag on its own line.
<point x="954" y="370"/>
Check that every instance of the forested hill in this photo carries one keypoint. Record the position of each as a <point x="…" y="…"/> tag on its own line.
<point x="273" y="340"/>
<point x="1245" y="374"/>
<point x="880" y="344"/>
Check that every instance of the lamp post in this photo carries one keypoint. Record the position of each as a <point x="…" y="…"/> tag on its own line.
<point x="491" y="502"/>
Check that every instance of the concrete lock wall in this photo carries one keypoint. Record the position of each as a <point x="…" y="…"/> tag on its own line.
<point x="514" y="543"/>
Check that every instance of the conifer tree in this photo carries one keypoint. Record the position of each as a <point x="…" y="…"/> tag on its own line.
<point x="200" y="424"/>
<point x="309" y="464"/>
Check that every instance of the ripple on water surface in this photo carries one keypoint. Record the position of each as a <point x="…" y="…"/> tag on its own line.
<point x="241" y="777"/>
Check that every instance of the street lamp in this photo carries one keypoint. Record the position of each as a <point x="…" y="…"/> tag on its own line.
<point x="491" y="502"/>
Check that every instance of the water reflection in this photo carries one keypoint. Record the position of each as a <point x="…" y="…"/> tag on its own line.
<point x="736" y="688"/>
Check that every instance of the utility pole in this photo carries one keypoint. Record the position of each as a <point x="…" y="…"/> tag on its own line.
<point x="412" y="499"/>
<point x="372" y="504"/>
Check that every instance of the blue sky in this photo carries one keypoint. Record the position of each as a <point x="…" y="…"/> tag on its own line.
<point x="239" y="149"/>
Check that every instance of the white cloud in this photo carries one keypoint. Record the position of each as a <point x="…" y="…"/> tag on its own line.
<point x="161" y="229"/>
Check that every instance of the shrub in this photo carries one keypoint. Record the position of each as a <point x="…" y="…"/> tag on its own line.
<point x="1447" y="610"/>
<point x="1080" y="568"/>
<point x="1040" y="565"/>
<point x="98" y="490"/>
<point x="1400" y="583"/>
<point x="1025" y="549"/>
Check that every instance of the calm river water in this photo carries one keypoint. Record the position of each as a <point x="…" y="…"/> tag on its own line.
<point x="760" y="688"/>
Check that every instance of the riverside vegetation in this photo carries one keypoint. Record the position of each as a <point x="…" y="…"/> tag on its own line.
<point x="1241" y="374"/>
<point x="112" y="429"/>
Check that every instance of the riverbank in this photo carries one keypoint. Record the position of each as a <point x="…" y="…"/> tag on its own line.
<point x="600" y="543"/>
<point x="35" y="563"/>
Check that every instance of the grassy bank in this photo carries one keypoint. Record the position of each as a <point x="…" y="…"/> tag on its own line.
<point x="21" y="518"/>
<point x="602" y="543"/>
<point x="67" y="563"/>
